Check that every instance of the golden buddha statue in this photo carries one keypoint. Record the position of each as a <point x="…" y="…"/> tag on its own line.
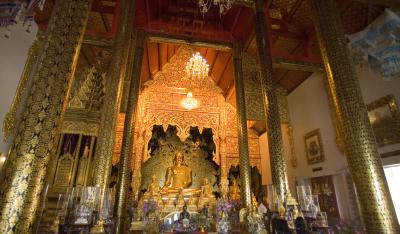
<point x="234" y="191"/>
<point x="154" y="188"/>
<point x="206" y="190"/>
<point x="178" y="176"/>
<point x="206" y="195"/>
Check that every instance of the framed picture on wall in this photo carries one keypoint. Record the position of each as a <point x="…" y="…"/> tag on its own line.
<point x="384" y="117"/>
<point x="313" y="144"/>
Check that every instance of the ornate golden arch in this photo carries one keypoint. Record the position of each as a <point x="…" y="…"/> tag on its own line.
<point x="159" y="104"/>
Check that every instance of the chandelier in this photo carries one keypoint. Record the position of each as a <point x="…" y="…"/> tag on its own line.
<point x="223" y="5"/>
<point x="189" y="102"/>
<point x="197" y="66"/>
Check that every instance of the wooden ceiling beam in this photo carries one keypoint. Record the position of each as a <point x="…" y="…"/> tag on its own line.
<point x="152" y="51"/>
<point x="230" y="92"/>
<point x="163" y="52"/>
<point x="97" y="6"/>
<point x="85" y="57"/>
<point x="212" y="37"/>
<point x="156" y="36"/>
<point x="293" y="10"/>
<point x="145" y="72"/>
<point x="202" y="51"/>
<point x="220" y="65"/>
<point x="236" y="19"/>
<point x="226" y="80"/>
<point x="171" y="51"/>
<point x="105" y="42"/>
<point x="296" y="65"/>
<point x="104" y="22"/>
<point x="211" y="57"/>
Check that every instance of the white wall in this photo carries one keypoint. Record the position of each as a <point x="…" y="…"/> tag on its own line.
<point x="309" y="110"/>
<point x="13" y="54"/>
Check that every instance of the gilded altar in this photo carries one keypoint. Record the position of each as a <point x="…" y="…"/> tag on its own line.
<point x="159" y="105"/>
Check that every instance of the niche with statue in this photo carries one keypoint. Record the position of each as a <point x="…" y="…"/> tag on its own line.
<point x="197" y="151"/>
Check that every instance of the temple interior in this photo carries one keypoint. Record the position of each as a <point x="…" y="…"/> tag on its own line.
<point x="200" y="116"/>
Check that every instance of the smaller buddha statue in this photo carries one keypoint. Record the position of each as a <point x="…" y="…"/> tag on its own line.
<point x="234" y="191"/>
<point x="206" y="190"/>
<point x="154" y="188"/>
<point x="206" y="195"/>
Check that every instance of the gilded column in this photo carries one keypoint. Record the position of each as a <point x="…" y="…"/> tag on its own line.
<point x="243" y="143"/>
<point x="270" y="100"/>
<point x="25" y="170"/>
<point x="360" y="147"/>
<point x="123" y="184"/>
<point x="113" y="93"/>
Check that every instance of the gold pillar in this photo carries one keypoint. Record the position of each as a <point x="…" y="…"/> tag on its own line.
<point x="243" y="143"/>
<point x="134" y="68"/>
<point x="269" y="87"/>
<point x="360" y="147"/>
<point x="114" y="84"/>
<point x="25" y="170"/>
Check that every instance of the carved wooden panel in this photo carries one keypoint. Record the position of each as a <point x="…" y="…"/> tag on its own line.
<point x="64" y="170"/>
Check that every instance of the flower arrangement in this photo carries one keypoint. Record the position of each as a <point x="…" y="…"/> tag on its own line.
<point x="149" y="207"/>
<point x="224" y="205"/>
<point x="237" y="204"/>
<point x="151" y="219"/>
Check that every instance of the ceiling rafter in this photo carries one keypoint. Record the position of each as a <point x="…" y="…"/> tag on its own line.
<point x="104" y="22"/>
<point x="295" y="30"/>
<point x="224" y="69"/>
<point x="214" y="59"/>
<point x="85" y="57"/>
<point x="236" y="18"/>
<point x="293" y="10"/>
<point x="97" y="6"/>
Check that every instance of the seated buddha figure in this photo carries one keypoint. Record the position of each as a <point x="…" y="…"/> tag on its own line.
<point x="206" y="194"/>
<point x="234" y="191"/>
<point x="178" y="177"/>
<point x="206" y="190"/>
<point x="153" y="191"/>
